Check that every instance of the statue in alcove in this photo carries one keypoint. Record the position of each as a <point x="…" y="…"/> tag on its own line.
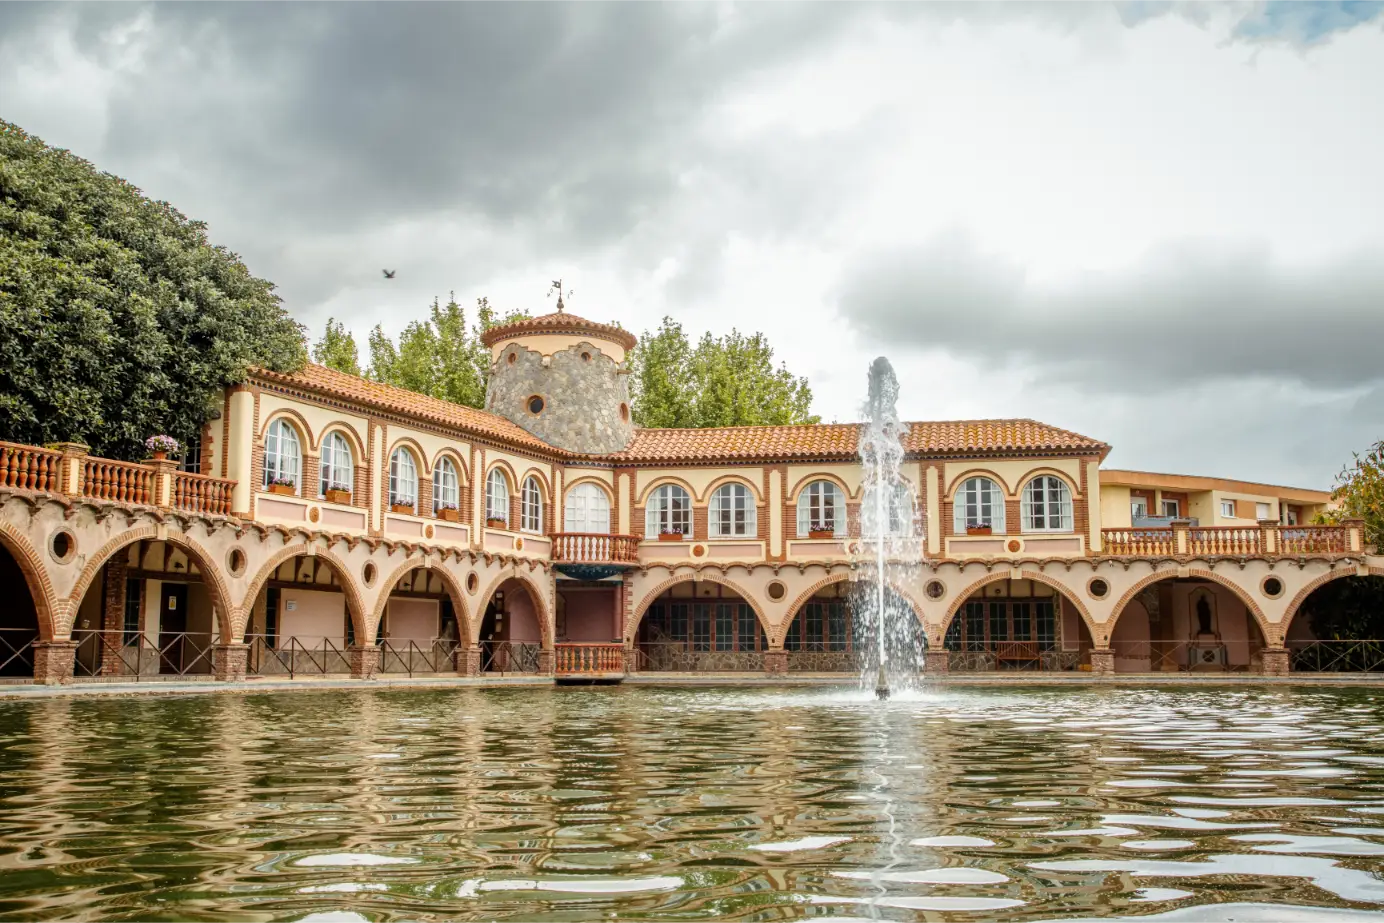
<point x="1203" y="616"/>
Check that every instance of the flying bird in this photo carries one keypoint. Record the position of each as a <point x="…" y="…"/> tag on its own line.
<point x="389" y="273"/>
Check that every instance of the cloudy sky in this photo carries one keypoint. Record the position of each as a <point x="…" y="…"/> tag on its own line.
<point x="1157" y="224"/>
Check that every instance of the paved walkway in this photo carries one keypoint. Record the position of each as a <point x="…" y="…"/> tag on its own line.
<point x="330" y="683"/>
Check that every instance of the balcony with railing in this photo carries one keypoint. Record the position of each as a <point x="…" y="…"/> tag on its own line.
<point x="594" y="555"/>
<point x="1268" y="539"/>
<point x="589" y="662"/>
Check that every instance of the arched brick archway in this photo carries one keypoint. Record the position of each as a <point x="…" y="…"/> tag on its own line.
<point x="35" y="579"/>
<point x="1296" y="605"/>
<point x="449" y="582"/>
<point x="1265" y="629"/>
<point x="540" y="605"/>
<point x="355" y="607"/>
<point x="833" y="579"/>
<point x="212" y="577"/>
<point x="1099" y="635"/>
<point x="642" y="607"/>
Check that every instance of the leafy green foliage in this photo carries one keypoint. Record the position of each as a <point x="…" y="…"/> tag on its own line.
<point x="337" y="349"/>
<point x="438" y="356"/>
<point x="725" y="381"/>
<point x="118" y="318"/>
<point x="1353" y="607"/>
<point x="1359" y="494"/>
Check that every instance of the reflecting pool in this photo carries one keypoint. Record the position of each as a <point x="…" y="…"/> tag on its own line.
<point x="642" y="803"/>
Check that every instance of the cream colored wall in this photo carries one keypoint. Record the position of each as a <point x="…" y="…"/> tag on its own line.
<point x="1114" y="507"/>
<point x="415" y="619"/>
<point x="316" y="615"/>
<point x="318" y="418"/>
<point x="1252" y="499"/>
<point x="431" y="444"/>
<point x="775" y="513"/>
<point x="800" y="475"/>
<point x="241" y="442"/>
<point x="699" y="479"/>
<point x="1014" y="473"/>
<point x="520" y="466"/>
<point x="623" y="491"/>
<point x="548" y="343"/>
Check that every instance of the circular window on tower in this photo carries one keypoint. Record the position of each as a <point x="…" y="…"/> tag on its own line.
<point x="534" y="404"/>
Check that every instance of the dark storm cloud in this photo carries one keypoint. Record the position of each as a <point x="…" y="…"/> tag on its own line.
<point x="1186" y="314"/>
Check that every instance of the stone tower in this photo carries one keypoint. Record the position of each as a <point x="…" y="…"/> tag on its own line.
<point x="563" y="378"/>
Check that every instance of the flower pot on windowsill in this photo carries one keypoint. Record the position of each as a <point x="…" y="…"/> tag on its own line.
<point x="449" y="515"/>
<point x="337" y="496"/>
<point x="821" y="533"/>
<point x="670" y="536"/>
<point x="283" y="490"/>
<point x="496" y="524"/>
<point x="401" y="508"/>
<point x="977" y="530"/>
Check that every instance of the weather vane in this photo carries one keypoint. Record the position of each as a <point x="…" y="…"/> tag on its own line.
<point x="557" y="287"/>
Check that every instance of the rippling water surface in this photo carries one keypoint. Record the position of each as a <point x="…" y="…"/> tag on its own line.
<point x="640" y="803"/>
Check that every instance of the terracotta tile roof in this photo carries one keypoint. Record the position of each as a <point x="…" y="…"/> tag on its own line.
<point x="838" y="440"/>
<point x="560" y="322"/>
<point x="408" y="403"/>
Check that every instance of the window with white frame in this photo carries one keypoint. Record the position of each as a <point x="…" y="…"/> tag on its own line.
<point x="283" y="455"/>
<point x="446" y="486"/>
<point x="1138" y="508"/>
<point x="979" y="502"/>
<point x="732" y="512"/>
<point x="821" y="508"/>
<point x="588" y="509"/>
<point x="1046" y="505"/>
<point x="1172" y="509"/>
<point x="403" y="479"/>
<point x="669" y="512"/>
<point x="1228" y="509"/>
<point x="1261" y="511"/>
<point x="338" y="469"/>
<point x="531" y="505"/>
<point x="497" y="496"/>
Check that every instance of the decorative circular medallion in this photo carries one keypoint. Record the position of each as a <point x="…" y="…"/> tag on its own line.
<point x="518" y="543"/>
<point x="698" y="551"/>
<point x="1014" y="546"/>
<point x="62" y="546"/>
<point x="1272" y="587"/>
<point x="776" y="590"/>
<point x="428" y="531"/>
<point x="935" y="589"/>
<point x="368" y="572"/>
<point x="235" y="562"/>
<point x="1098" y="588"/>
<point x="314" y="514"/>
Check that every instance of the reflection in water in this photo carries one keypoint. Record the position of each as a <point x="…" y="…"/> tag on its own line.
<point x="687" y="804"/>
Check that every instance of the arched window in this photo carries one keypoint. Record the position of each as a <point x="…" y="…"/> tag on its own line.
<point x="403" y="479"/>
<point x="446" y="486"/>
<point x="732" y="513"/>
<point x="979" y="502"/>
<point x="1047" y="505"/>
<point x="588" y="509"/>
<point x="821" y="508"/>
<point x="898" y="512"/>
<point x="282" y="454"/>
<point x="497" y="496"/>
<point x="531" y="506"/>
<point x="669" y="512"/>
<point x="338" y="470"/>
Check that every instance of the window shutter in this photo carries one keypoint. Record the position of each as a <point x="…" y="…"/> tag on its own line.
<point x="959" y="511"/>
<point x="1026" y="504"/>
<point x="751" y="522"/>
<point x="997" y="504"/>
<point x="838" y="509"/>
<point x="804" y="513"/>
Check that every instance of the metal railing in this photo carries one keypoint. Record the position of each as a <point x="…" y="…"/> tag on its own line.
<point x="17" y="653"/>
<point x="29" y="467"/>
<point x="595" y="548"/>
<point x="112" y="655"/>
<point x="679" y="657"/>
<point x="576" y="659"/>
<point x="1363" y="656"/>
<point x="1000" y="656"/>
<point x="1151" y="656"/>
<point x="416" y="656"/>
<point x="510" y="656"/>
<point x="1140" y="542"/>
<point x="271" y="655"/>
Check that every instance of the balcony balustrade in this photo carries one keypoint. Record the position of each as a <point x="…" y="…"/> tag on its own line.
<point x="594" y="660"/>
<point x="595" y="548"/>
<point x="1265" y="540"/>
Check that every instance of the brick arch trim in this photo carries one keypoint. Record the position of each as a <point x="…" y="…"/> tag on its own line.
<point x="1098" y="635"/>
<point x="662" y="481"/>
<point x="454" y="593"/>
<point x="756" y="490"/>
<point x="830" y="579"/>
<point x="358" y="450"/>
<point x="410" y="445"/>
<point x="802" y="483"/>
<point x="355" y="607"/>
<point x="545" y="626"/>
<point x="950" y="492"/>
<point x="632" y="627"/>
<point x="1265" y="628"/>
<point x="452" y="455"/>
<point x="300" y="423"/>
<point x="211" y="574"/>
<point x="35" y="578"/>
<point x="588" y="479"/>
<point x="1317" y="583"/>
<point x="1042" y="471"/>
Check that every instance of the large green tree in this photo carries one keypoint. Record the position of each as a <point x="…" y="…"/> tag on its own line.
<point x="723" y="381"/>
<point x="439" y="355"/>
<point x="118" y="318"/>
<point x="337" y="348"/>
<point x="1353" y="607"/>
